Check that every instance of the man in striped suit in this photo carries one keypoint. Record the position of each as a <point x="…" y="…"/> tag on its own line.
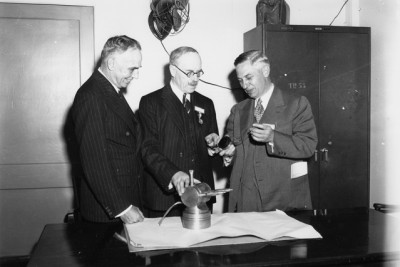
<point x="176" y="121"/>
<point x="109" y="136"/>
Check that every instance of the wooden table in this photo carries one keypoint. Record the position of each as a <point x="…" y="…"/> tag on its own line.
<point x="357" y="237"/>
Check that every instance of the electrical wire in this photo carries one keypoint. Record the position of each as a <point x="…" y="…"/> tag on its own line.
<point x="166" y="213"/>
<point x="339" y="12"/>
<point x="166" y="51"/>
<point x="213" y="84"/>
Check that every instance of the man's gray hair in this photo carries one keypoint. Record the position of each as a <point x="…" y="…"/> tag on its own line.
<point x="180" y="51"/>
<point x="118" y="44"/>
<point x="254" y="56"/>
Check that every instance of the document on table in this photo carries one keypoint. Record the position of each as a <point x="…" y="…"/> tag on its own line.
<point x="226" y="228"/>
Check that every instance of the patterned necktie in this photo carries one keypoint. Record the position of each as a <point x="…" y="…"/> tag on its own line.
<point x="258" y="111"/>
<point x="186" y="103"/>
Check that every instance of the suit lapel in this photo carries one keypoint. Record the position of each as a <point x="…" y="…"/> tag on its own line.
<point x="117" y="103"/>
<point x="173" y="107"/>
<point x="274" y="108"/>
<point x="246" y="121"/>
<point x="246" y="118"/>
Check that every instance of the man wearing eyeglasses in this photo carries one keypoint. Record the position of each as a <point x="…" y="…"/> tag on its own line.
<point x="176" y="122"/>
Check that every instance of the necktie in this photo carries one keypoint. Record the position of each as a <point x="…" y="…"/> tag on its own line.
<point x="259" y="110"/>
<point x="186" y="103"/>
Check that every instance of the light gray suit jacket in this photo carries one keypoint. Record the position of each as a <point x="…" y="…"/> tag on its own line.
<point x="295" y="139"/>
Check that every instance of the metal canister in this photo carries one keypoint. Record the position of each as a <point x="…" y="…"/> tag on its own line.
<point x="197" y="217"/>
<point x="196" y="214"/>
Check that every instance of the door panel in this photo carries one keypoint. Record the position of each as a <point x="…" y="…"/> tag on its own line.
<point x="40" y="69"/>
<point x="27" y="212"/>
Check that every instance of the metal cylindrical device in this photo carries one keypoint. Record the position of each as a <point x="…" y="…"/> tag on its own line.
<point x="194" y="195"/>
<point x="197" y="217"/>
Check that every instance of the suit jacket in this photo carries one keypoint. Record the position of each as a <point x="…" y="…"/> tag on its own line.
<point x="108" y="135"/>
<point x="166" y="147"/>
<point x="295" y="139"/>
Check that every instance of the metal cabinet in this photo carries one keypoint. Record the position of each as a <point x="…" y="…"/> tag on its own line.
<point x="331" y="67"/>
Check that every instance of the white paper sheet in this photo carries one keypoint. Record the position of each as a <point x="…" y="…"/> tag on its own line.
<point x="267" y="226"/>
<point x="298" y="169"/>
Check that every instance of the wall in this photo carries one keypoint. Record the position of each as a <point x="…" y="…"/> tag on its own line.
<point x="383" y="17"/>
<point x="216" y="29"/>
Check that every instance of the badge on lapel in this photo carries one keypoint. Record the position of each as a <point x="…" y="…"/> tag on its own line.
<point x="200" y="112"/>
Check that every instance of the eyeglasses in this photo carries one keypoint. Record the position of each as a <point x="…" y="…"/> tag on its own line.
<point x="190" y="74"/>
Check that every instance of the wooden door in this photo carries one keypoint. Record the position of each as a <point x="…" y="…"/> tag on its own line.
<point x="46" y="54"/>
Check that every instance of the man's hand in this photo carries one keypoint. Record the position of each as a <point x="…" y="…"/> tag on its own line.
<point x="180" y="180"/>
<point x="212" y="143"/>
<point x="262" y="133"/>
<point x="227" y="154"/>
<point x="133" y="215"/>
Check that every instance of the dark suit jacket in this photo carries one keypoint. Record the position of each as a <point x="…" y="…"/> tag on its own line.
<point x="165" y="146"/>
<point x="108" y="135"/>
<point x="295" y="139"/>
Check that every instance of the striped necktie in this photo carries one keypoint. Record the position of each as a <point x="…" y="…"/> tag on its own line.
<point x="186" y="103"/>
<point x="258" y="111"/>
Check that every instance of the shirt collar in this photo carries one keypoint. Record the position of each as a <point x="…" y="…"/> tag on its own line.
<point x="116" y="88"/>
<point x="265" y="97"/>
<point x="178" y="92"/>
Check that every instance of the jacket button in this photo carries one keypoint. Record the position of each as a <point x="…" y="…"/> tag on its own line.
<point x="181" y="154"/>
<point x="127" y="133"/>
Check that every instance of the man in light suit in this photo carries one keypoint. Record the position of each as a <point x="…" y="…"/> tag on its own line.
<point x="176" y="121"/>
<point x="109" y="137"/>
<point x="271" y="140"/>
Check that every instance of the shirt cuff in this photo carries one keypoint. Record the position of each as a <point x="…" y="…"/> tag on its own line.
<point x="125" y="211"/>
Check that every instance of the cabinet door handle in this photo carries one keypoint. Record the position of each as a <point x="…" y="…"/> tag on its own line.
<point x="325" y="156"/>
<point x="315" y="155"/>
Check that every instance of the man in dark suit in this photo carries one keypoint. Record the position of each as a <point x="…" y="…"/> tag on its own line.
<point x="109" y="137"/>
<point x="176" y="123"/>
<point x="273" y="133"/>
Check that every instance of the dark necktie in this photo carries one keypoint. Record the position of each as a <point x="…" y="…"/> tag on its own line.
<point x="258" y="111"/>
<point x="186" y="103"/>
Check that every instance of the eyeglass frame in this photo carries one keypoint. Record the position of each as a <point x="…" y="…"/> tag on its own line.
<point x="191" y="73"/>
